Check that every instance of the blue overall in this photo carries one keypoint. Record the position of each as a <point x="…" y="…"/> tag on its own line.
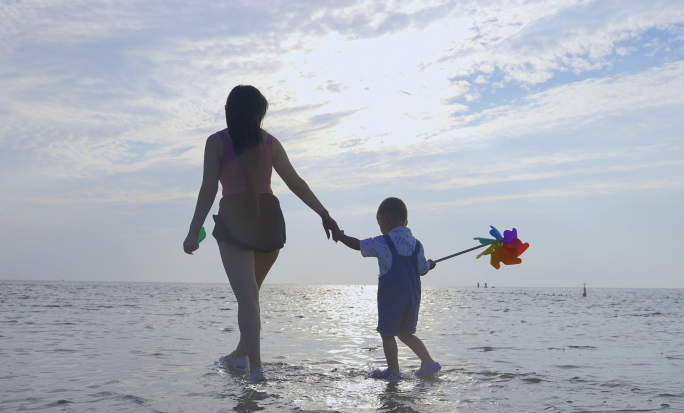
<point x="399" y="293"/>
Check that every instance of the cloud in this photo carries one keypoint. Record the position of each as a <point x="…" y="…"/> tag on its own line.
<point x="103" y="89"/>
<point x="352" y="142"/>
<point x="570" y="133"/>
<point x="296" y="109"/>
<point x="530" y="47"/>
<point x="83" y="81"/>
<point x="579" y="190"/>
<point x="111" y="197"/>
<point x="330" y="119"/>
<point x="590" y="100"/>
<point x="335" y="87"/>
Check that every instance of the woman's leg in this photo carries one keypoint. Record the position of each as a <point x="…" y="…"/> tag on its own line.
<point x="263" y="261"/>
<point x="240" y="269"/>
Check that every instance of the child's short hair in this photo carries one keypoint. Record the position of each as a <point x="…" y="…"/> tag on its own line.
<point x="393" y="208"/>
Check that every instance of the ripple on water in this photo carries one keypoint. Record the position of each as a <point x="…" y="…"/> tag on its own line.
<point x="156" y="347"/>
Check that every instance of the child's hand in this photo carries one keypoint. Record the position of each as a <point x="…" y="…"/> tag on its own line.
<point x="351" y="242"/>
<point x="338" y="234"/>
<point x="431" y="264"/>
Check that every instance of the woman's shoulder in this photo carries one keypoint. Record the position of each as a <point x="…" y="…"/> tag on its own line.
<point x="272" y="141"/>
<point x="267" y="136"/>
<point x="215" y="141"/>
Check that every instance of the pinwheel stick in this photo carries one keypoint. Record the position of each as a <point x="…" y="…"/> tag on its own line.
<point x="468" y="250"/>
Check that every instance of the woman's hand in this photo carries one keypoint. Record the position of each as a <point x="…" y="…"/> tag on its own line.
<point x="329" y="225"/>
<point x="191" y="244"/>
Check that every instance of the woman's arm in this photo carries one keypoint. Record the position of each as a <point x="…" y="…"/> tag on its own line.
<point x="282" y="165"/>
<point x="207" y="193"/>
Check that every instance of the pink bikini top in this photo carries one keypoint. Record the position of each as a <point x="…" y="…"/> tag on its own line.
<point x="231" y="177"/>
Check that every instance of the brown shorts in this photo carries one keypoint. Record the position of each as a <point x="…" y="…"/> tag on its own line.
<point x="240" y="223"/>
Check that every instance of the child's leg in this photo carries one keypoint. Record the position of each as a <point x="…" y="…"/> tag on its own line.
<point x="417" y="346"/>
<point x="389" y="344"/>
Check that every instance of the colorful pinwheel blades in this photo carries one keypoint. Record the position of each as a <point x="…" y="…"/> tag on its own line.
<point x="506" y="251"/>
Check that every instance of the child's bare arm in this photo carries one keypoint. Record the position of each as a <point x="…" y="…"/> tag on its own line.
<point x="351" y="242"/>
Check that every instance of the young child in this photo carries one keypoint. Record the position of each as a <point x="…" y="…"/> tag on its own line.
<point x="402" y="262"/>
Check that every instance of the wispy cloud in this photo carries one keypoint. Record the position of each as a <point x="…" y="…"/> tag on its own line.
<point x="108" y="85"/>
<point x="583" y="190"/>
<point x="544" y="39"/>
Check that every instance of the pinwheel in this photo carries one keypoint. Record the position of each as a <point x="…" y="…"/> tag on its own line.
<point x="506" y="248"/>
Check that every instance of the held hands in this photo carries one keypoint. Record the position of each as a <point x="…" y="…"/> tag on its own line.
<point x="340" y="236"/>
<point x="350" y="242"/>
<point x="190" y="244"/>
<point x="329" y="225"/>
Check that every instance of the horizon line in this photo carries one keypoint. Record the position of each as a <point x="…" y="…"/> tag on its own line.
<point x="334" y="285"/>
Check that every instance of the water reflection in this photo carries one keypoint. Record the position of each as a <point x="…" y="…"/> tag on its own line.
<point x="248" y="400"/>
<point x="502" y="350"/>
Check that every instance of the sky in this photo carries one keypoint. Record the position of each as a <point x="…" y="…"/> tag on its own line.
<point x="560" y="118"/>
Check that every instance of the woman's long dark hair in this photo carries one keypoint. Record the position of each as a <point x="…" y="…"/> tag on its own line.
<point x="245" y="110"/>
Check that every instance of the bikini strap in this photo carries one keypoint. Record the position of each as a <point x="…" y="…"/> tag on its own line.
<point x="228" y="148"/>
<point x="225" y="138"/>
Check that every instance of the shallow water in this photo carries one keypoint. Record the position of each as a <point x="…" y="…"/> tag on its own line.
<point x="80" y="346"/>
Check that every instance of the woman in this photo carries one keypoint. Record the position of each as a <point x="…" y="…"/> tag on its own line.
<point x="250" y="229"/>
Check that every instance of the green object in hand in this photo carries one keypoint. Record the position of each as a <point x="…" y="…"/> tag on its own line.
<point x="202" y="235"/>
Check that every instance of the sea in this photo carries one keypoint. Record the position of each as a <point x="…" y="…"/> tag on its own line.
<point x="154" y="347"/>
